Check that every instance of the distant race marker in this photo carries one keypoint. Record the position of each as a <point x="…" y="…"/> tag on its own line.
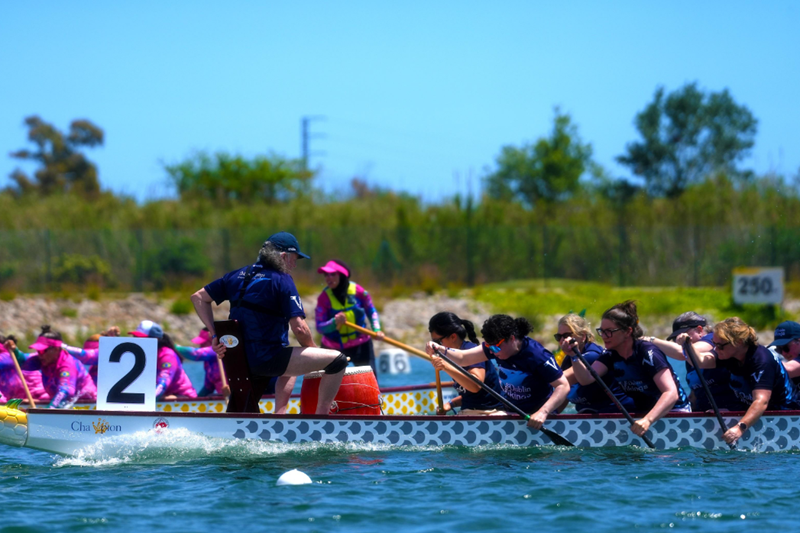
<point x="293" y="477"/>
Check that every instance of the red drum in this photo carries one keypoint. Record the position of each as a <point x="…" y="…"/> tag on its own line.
<point x="358" y="395"/>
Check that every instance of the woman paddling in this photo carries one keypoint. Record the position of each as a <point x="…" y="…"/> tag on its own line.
<point x="574" y="331"/>
<point x="448" y="330"/>
<point x="64" y="378"/>
<point x="639" y="367"/>
<point x="344" y="300"/>
<point x="758" y="378"/>
<point x="529" y="375"/>
<point x="206" y="354"/>
<point x="787" y="343"/>
<point x="694" y="327"/>
<point x="11" y="386"/>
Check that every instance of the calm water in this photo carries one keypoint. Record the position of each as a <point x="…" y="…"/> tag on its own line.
<point x="185" y="482"/>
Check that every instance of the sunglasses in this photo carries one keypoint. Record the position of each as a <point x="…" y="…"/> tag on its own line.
<point x="607" y="332"/>
<point x="785" y="347"/>
<point x="559" y="336"/>
<point x="718" y="345"/>
<point x="494" y="348"/>
<point x="440" y="339"/>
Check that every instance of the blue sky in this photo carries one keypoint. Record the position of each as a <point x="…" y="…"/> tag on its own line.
<point x="417" y="96"/>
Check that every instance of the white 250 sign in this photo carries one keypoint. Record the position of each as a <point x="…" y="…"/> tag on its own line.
<point x="758" y="285"/>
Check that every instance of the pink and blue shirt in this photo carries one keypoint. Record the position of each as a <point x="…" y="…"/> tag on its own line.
<point x="363" y="309"/>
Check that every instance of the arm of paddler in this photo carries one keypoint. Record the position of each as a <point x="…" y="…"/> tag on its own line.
<point x="582" y="374"/>
<point x="669" y="395"/>
<point x="87" y="357"/>
<point x="671" y="349"/>
<point x="196" y="354"/>
<point x="557" y="397"/>
<point x="792" y="368"/>
<point x="761" y="398"/>
<point x="473" y="356"/>
<point x="371" y="311"/>
<point x="324" y="326"/>
<point x="441" y="365"/>
<point x="67" y="387"/>
<point x="302" y="332"/>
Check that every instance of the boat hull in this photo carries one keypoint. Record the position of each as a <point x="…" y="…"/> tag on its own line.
<point x="67" y="432"/>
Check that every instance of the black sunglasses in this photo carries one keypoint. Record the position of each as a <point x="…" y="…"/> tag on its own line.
<point x="718" y="345"/>
<point x="785" y="347"/>
<point x="559" y="336"/>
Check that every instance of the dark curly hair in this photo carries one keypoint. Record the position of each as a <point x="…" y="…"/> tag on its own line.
<point x="625" y="316"/>
<point x="447" y="323"/>
<point x="499" y="327"/>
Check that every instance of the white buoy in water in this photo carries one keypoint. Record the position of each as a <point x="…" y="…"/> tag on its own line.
<point x="293" y="477"/>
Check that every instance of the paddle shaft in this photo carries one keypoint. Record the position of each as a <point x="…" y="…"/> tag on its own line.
<point x="552" y="435"/>
<point x="608" y="392"/>
<point x="418" y="353"/>
<point x="22" y="378"/>
<point x="688" y="347"/>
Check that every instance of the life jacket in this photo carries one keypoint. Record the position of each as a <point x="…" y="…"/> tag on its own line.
<point x="352" y="310"/>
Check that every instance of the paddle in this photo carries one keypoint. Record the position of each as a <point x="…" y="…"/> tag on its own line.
<point x="407" y="348"/>
<point x="689" y="349"/>
<point x="22" y="378"/>
<point x="608" y="392"/>
<point x="552" y="435"/>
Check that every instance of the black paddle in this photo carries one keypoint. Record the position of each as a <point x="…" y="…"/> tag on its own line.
<point x="552" y="435"/>
<point x="610" y="394"/>
<point x="688" y="347"/>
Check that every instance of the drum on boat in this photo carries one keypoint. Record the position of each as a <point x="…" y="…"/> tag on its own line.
<point x="358" y="395"/>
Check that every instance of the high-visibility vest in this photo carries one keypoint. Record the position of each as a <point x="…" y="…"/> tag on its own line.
<point x="352" y="310"/>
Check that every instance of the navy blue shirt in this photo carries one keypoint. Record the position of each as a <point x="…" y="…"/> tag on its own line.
<point x="593" y="396"/>
<point x="719" y="383"/>
<point x="760" y="370"/>
<point x="265" y="324"/>
<point x="526" y="376"/>
<point x="481" y="399"/>
<point x="636" y="375"/>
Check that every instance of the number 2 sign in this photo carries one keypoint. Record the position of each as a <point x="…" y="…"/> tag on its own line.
<point x="758" y="285"/>
<point x="126" y="374"/>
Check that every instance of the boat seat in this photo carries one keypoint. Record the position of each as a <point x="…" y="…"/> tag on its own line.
<point x="246" y="389"/>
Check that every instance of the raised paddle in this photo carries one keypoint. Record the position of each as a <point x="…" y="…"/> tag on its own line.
<point x="608" y="392"/>
<point x="22" y="378"/>
<point x="552" y="435"/>
<point x="407" y="348"/>
<point x="688" y="347"/>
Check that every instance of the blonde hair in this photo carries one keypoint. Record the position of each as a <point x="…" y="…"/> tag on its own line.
<point x="735" y="331"/>
<point x="578" y="325"/>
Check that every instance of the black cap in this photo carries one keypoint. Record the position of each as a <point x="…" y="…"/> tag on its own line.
<point x="286" y="242"/>
<point x="684" y="323"/>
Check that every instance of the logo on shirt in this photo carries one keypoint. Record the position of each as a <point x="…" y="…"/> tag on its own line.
<point x="65" y="374"/>
<point x="298" y="302"/>
<point x="757" y="376"/>
<point x="166" y="365"/>
<point x="552" y="363"/>
<point x="649" y="359"/>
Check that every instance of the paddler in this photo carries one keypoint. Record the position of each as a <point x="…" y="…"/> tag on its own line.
<point x="638" y="366"/>
<point x="529" y="374"/>
<point x="11" y="386"/>
<point x="455" y="333"/>
<point x="265" y="302"/>
<point x="345" y="300"/>
<point x="787" y="343"/>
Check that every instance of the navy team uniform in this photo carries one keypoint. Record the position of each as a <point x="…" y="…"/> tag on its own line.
<point x="719" y="383"/>
<point x="525" y="377"/>
<point x="635" y="375"/>
<point x="593" y="397"/>
<point x="480" y="400"/>
<point x="269" y="301"/>
<point x="760" y="370"/>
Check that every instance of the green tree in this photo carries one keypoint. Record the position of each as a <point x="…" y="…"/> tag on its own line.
<point x="686" y="136"/>
<point x="232" y="177"/>
<point x="547" y="171"/>
<point x="63" y="167"/>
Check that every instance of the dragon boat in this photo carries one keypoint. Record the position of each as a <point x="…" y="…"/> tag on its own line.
<point x="69" y="431"/>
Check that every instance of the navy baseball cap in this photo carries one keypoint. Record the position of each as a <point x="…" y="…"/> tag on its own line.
<point x="286" y="242"/>
<point x="686" y="322"/>
<point x="786" y="332"/>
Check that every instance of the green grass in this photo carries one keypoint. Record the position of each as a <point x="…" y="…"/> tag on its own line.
<point x="534" y="299"/>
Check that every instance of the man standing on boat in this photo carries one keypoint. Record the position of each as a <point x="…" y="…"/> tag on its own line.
<point x="265" y="302"/>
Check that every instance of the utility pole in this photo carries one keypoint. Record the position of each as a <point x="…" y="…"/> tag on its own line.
<point x="305" y="136"/>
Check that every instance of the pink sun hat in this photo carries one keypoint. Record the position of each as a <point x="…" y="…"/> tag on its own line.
<point x="43" y="343"/>
<point x="202" y="337"/>
<point x="332" y="266"/>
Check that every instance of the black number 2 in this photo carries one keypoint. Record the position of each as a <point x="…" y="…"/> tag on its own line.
<point x="117" y="394"/>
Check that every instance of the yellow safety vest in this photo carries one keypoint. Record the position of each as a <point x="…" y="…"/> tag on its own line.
<point x="346" y="333"/>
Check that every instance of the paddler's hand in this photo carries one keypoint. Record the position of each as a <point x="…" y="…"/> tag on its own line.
<point x="113" y="331"/>
<point x="445" y="409"/>
<point x="732" y="435"/>
<point x="568" y="345"/>
<point x="340" y="319"/>
<point x="640" y="427"/>
<point x="431" y="347"/>
<point x="10" y="345"/>
<point x="226" y="390"/>
<point x="437" y="362"/>
<point x="218" y="347"/>
<point x="537" y="419"/>
<point x="380" y="335"/>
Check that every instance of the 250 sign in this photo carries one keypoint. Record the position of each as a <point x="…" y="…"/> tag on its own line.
<point x="758" y="285"/>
